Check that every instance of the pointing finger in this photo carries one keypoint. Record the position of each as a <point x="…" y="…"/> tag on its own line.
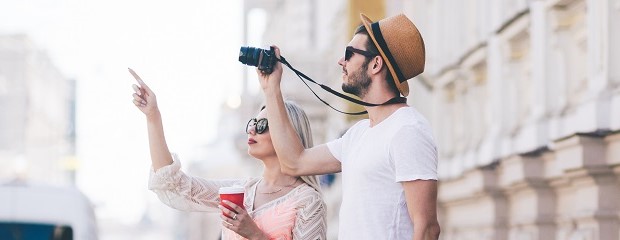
<point x="142" y="84"/>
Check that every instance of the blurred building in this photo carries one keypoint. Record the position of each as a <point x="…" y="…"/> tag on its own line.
<point x="37" y="124"/>
<point x="526" y="110"/>
<point x="37" y="147"/>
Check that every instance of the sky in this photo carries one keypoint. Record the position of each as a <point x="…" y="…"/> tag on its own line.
<point x="186" y="51"/>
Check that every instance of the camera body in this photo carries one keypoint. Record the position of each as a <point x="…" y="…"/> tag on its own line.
<point x="263" y="59"/>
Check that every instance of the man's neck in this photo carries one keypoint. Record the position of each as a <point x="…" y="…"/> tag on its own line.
<point x="379" y="113"/>
<point x="379" y="93"/>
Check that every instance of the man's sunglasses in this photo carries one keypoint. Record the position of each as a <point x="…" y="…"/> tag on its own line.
<point x="348" y="53"/>
<point x="259" y="126"/>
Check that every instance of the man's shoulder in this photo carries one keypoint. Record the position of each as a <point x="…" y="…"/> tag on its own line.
<point x="362" y="122"/>
<point x="409" y="116"/>
<point x="359" y="125"/>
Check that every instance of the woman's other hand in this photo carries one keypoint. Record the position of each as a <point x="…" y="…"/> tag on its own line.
<point x="240" y="222"/>
<point x="143" y="97"/>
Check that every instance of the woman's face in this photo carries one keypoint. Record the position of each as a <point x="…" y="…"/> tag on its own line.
<point x="259" y="144"/>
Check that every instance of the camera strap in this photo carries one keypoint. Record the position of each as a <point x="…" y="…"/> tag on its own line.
<point x="302" y="76"/>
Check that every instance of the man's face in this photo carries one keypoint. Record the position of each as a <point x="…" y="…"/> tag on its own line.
<point x="355" y="78"/>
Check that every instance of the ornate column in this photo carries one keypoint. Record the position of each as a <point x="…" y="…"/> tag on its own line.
<point x="530" y="199"/>
<point x="586" y="188"/>
<point x="473" y="206"/>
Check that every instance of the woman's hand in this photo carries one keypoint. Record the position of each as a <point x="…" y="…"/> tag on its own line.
<point x="271" y="80"/>
<point x="240" y="222"/>
<point x="144" y="98"/>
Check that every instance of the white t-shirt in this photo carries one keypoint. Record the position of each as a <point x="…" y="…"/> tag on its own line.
<point x="374" y="163"/>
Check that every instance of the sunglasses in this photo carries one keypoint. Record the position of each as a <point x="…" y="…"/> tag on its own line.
<point x="348" y="53"/>
<point x="259" y="126"/>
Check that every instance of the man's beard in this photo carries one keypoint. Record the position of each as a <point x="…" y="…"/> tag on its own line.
<point x="358" y="82"/>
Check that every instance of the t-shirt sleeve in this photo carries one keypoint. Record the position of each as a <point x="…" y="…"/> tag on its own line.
<point x="414" y="154"/>
<point x="335" y="147"/>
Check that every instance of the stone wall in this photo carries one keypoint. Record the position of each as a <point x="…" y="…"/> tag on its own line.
<point x="569" y="191"/>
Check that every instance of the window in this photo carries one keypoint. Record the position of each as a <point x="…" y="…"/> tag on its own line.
<point x="34" y="231"/>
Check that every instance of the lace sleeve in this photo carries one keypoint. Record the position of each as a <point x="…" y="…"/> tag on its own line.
<point x="184" y="192"/>
<point x="311" y="223"/>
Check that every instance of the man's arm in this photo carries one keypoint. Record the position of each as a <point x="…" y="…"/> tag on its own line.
<point x="421" y="197"/>
<point x="294" y="158"/>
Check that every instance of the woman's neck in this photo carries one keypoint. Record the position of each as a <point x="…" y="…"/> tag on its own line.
<point x="273" y="176"/>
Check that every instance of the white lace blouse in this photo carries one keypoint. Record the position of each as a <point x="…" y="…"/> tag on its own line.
<point x="299" y="215"/>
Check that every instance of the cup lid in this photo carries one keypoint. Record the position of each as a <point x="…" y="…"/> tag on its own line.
<point x="231" y="190"/>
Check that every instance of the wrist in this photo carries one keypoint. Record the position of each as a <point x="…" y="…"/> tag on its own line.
<point x="259" y="235"/>
<point x="272" y="90"/>
<point x="154" y="116"/>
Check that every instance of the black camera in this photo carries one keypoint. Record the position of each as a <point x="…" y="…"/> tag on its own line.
<point x="261" y="58"/>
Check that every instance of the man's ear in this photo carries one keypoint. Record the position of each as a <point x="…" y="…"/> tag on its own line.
<point x="377" y="64"/>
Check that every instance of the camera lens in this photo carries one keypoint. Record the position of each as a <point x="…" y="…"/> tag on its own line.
<point x="249" y="56"/>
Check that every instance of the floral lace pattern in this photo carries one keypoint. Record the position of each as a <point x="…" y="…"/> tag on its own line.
<point x="299" y="215"/>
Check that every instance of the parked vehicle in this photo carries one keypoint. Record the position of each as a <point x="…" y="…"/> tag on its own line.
<point x="35" y="211"/>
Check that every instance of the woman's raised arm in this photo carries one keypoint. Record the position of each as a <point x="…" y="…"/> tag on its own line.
<point x="145" y="100"/>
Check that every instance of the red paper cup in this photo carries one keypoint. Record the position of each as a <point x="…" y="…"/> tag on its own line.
<point x="233" y="194"/>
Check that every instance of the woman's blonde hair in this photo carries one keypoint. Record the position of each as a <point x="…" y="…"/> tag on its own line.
<point x="301" y="124"/>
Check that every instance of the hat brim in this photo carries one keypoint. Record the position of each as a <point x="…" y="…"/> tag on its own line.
<point x="403" y="87"/>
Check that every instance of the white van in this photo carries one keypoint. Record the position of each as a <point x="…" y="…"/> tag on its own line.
<point x="32" y="211"/>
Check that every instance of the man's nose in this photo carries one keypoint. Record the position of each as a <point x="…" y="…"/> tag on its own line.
<point x="341" y="61"/>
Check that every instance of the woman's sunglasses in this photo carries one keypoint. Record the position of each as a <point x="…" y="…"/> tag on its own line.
<point x="260" y="126"/>
<point x="348" y="53"/>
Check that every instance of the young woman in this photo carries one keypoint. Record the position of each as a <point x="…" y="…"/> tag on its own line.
<point x="277" y="206"/>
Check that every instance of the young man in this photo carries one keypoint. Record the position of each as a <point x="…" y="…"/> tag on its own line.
<point x="389" y="161"/>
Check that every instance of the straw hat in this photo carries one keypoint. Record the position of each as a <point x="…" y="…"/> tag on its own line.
<point x="400" y="44"/>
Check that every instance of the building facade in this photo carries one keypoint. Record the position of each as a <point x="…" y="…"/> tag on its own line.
<point x="37" y="120"/>
<point x="526" y="111"/>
